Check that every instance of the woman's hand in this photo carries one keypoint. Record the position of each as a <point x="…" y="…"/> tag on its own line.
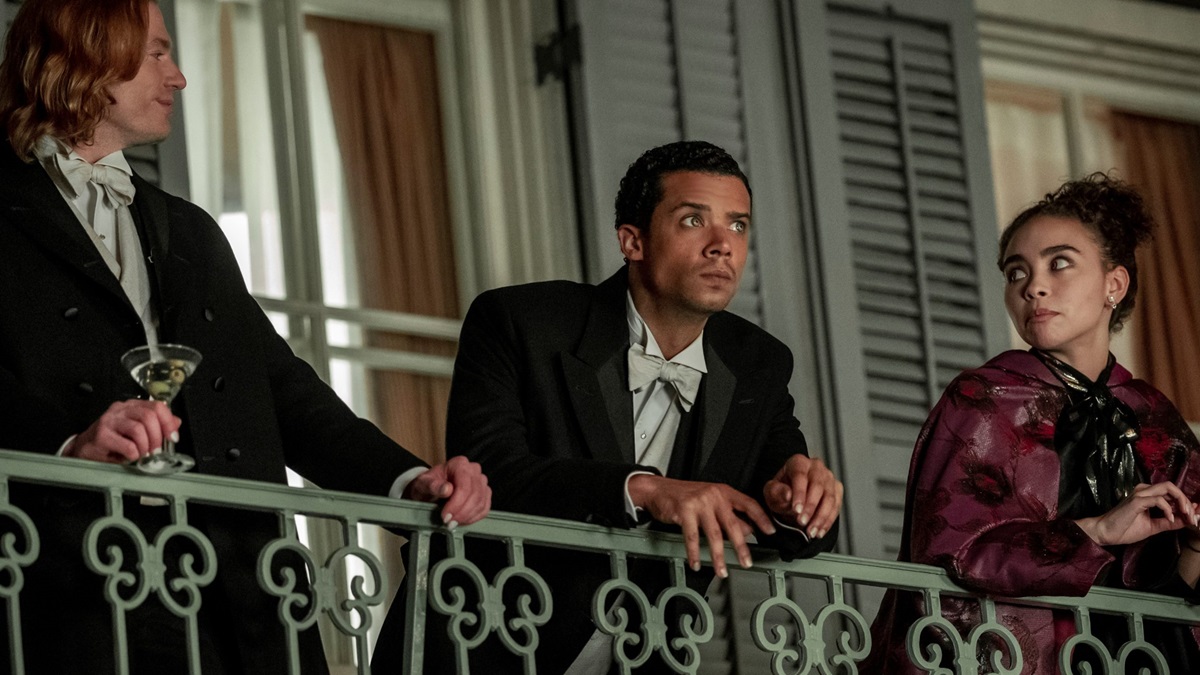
<point x="1135" y="518"/>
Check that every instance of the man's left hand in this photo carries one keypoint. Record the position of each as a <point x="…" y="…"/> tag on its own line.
<point x="461" y="483"/>
<point x="805" y="492"/>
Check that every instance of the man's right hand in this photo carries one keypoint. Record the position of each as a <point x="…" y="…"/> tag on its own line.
<point x="709" y="507"/>
<point x="125" y="432"/>
<point x="461" y="484"/>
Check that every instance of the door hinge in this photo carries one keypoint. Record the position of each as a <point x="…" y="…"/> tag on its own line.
<point x="556" y="53"/>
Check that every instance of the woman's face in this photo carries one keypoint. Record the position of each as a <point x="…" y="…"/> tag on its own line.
<point x="1057" y="286"/>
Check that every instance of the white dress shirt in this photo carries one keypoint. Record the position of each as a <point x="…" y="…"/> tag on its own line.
<point x="656" y="409"/>
<point x="656" y="416"/>
<point x="106" y="220"/>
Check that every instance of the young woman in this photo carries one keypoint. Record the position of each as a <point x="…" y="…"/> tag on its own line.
<point x="1046" y="471"/>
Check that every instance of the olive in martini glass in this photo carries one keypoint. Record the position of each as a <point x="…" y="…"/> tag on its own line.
<point x="161" y="370"/>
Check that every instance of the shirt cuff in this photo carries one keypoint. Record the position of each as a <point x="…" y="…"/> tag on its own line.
<point x="66" y="444"/>
<point x="631" y="510"/>
<point x="401" y="484"/>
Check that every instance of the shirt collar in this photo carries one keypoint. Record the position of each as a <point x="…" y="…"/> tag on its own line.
<point x="639" y="332"/>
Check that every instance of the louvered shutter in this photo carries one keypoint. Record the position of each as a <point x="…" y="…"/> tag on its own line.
<point x="902" y="199"/>
<point x="653" y="72"/>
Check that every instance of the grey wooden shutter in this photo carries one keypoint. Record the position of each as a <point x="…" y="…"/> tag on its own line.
<point x="653" y="72"/>
<point x="902" y="199"/>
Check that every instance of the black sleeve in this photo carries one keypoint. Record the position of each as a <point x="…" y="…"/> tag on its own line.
<point x="488" y="422"/>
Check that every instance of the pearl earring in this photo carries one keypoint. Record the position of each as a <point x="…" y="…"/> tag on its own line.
<point x="1112" y="302"/>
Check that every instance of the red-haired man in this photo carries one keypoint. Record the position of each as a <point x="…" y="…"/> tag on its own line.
<point x="95" y="261"/>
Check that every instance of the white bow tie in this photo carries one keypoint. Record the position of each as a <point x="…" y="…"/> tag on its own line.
<point x="645" y="368"/>
<point x="114" y="182"/>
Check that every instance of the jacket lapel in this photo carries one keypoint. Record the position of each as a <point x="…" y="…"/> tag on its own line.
<point x="596" y="376"/>
<point x="720" y="383"/>
<point x="35" y="206"/>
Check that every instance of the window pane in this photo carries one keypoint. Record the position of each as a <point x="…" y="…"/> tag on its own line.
<point x="386" y="235"/>
<point x="231" y="160"/>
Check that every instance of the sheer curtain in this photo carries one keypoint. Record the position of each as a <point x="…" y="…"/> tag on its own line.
<point x="1163" y="161"/>
<point x="383" y="87"/>
<point x="1027" y="141"/>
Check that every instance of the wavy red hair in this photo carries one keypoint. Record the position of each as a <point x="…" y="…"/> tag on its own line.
<point x="60" y="60"/>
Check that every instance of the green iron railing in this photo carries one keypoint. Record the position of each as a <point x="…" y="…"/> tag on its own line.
<point x="832" y="639"/>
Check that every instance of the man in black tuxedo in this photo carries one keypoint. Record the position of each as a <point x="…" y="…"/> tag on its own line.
<point x="95" y="261"/>
<point x="636" y="399"/>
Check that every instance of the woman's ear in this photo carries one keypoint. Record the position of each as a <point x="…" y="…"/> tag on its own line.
<point x="1117" y="283"/>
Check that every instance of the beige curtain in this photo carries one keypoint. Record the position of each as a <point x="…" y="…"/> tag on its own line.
<point x="384" y="90"/>
<point x="1163" y="161"/>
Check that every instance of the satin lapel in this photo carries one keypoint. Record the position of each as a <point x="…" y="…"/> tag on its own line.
<point x="719" y="385"/>
<point x="35" y="206"/>
<point x="596" y="376"/>
<point x="605" y="418"/>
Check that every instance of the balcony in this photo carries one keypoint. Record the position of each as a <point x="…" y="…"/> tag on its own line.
<point x="804" y="621"/>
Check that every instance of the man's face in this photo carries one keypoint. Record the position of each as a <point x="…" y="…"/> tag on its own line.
<point x="141" y="111"/>
<point x="690" y="260"/>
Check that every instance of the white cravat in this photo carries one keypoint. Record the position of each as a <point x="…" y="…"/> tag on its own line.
<point x="645" y="368"/>
<point x="100" y="194"/>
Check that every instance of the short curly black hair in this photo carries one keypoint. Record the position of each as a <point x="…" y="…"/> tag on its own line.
<point x="1115" y="214"/>
<point x="641" y="188"/>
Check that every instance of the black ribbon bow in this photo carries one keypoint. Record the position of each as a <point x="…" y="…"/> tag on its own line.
<point x="1094" y="438"/>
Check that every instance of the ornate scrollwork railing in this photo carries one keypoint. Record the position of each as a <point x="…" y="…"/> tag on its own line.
<point x="796" y="633"/>
<point x="519" y="634"/>
<point x="303" y="601"/>
<point x="126" y="589"/>
<point x="18" y="549"/>
<point x="810" y="650"/>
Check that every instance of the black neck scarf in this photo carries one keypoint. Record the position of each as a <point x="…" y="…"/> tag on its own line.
<point x="1094" y="438"/>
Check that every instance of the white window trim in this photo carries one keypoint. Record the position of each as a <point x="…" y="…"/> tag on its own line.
<point x="1138" y="56"/>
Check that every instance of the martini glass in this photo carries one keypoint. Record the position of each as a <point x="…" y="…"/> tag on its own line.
<point x="161" y="370"/>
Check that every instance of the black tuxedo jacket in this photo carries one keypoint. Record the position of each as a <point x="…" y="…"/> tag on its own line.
<point x="251" y="407"/>
<point x="540" y="398"/>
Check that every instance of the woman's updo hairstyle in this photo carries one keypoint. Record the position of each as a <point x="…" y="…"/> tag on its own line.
<point x="1114" y="213"/>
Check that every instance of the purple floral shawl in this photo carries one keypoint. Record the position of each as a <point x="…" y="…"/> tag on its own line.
<point x="983" y="499"/>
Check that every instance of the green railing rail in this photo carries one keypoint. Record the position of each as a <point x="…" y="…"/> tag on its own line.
<point x="831" y="639"/>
